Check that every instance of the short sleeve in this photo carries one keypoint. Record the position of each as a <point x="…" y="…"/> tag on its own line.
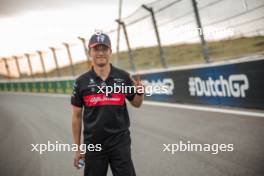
<point x="76" y="98"/>
<point x="130" y="95"/>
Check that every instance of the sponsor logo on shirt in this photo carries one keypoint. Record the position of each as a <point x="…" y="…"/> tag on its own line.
<point x="102" y="99"/>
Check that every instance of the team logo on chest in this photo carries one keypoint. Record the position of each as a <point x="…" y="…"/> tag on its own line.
<point x="91" y="81"/>
<point x="118" y="80"/>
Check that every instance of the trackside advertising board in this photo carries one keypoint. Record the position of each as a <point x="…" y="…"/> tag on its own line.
<point x="237" y="84"/>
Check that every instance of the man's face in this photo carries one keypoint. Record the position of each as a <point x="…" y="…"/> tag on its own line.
<point x="100" y="55"/>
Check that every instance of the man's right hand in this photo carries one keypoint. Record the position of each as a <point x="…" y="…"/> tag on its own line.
<point x="77" y="157"/>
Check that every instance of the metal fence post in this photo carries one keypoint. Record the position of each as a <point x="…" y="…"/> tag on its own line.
<point x="7" y="68"/>
<point x="70" y="57"/>
<point x="29" y="65"/>
<point x="85" y="50"/>
<point x="128" y="45"/>
<point x="42" y="63"/>
<point x="118" y="32"/>
<point x="162" y="59"/>
<point x="56" y="61"/>
<point x="17" y="65"/>
<point x="199" y="24"/>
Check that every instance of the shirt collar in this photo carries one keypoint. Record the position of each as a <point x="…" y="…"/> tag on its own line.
<point x="112" y="73"/>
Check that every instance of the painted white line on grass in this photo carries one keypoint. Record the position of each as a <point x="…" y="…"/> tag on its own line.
<point x="171" y="105"/>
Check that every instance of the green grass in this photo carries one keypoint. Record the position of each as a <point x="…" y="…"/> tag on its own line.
<point x="183" y="54"/>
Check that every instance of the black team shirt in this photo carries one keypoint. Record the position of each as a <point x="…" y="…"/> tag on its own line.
<point x="105" y="118"/>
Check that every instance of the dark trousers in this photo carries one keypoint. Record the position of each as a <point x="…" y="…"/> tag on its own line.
<point x="119" y="159"/>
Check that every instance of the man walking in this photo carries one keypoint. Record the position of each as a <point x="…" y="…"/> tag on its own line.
<point x="105" y="116"/>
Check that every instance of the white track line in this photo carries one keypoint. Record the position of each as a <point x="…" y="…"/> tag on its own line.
<point x="208" y="109"/>
<point x="243" y="112"/>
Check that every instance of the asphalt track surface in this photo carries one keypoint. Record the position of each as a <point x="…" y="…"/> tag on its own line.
<point x="31" y="119"/>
